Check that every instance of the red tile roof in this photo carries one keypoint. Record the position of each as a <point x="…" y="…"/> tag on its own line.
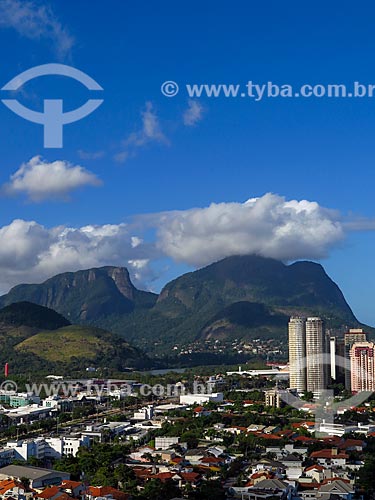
<point x="9" y="484"/>
<point x="50" y="492"/>
<point x="190" y="477"/>
<point x="328" y="453"/>
<point x="320" y="468"/>
<point x="211" y="460"/>
<point x="102" y="491"/>
<point x="163" y="476"/>
<point x="71" y="484"/>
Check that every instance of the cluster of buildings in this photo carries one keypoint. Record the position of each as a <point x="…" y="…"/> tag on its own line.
<point x="18" y="482"/>
<point x="306" y="468"/>
<point x="317" y="359"/>
<point x="42" y="448"/>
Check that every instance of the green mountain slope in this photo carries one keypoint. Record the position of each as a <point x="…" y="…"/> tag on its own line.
<point x="240" y="297"/>
<point x="80" y="345"/>
<point x="34" y="338"/>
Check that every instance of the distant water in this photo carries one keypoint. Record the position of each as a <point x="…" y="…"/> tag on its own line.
<point x="167" y="370"/>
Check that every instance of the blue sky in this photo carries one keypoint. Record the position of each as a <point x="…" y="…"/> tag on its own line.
<point x="136" y="160"/>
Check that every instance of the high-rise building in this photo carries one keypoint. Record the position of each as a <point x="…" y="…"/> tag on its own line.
<point x="297" y="354"/>
<point x="332" y="354"/>
<point x="354" y="335"/>
<point x="316" y="349"/>
<point x="362" y="365"/>
<point x="337" y="355"/>
<point x="273" y="398"/>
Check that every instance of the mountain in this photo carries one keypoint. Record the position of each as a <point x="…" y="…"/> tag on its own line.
<point x="246" y="296"/>
<point x="85" y="296"/>
<point x="35" y="338"/>
<point x="237" y="297"/>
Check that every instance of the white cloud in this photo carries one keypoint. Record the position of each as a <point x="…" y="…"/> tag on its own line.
<point x="193" y="113"/>
<point x="36" y="21"/>
<point x="268" y="226"/>
<point x="149" y="132"/>
<point x="40" y="180"/>
<point x="30" y="252"/>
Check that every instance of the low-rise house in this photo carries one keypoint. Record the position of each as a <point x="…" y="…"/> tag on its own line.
<point x="14" y="489"/>
<point x="73" y="488"/>
<point x="330" y="456"/>
<point x="142" y="454"/>
<point x="201" y="411"/>
<point x="53" y="493"/>
<point x="194" y="456"/>
<point x="268" y="489"/>
<point x="167" y="455"/>
<point x="105" y="492"/>
<point x="293" y="466"/>
<point x="316" y="473"/>
<point x="339" y="488"/>
<point x="336" y="489"/>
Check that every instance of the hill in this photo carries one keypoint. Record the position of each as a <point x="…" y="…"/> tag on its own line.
<point x="32" y="315"/>
<point x="35" y="338"/>
<point x="77" y="346"/>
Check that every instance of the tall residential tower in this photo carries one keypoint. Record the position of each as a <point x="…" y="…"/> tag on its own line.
<point x="316" y="349"/>
<point x="362" y="364"/>
<point x="308" y="370"/>
<point x="297" y="354"/>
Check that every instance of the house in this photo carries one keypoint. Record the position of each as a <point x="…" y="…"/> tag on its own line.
<point x="330" y="456"/>
<point x="200" y="411"/>
<point x="212" y="461"/>
<point x="142" y="453"/>
<point x="316" y="473"/>
<point x="192" y="478"/>
<point x="352" y="445"/>
<point x="73" y="488"/>
<point x="336" y="489"/>
<point x="293" y="465"/>
<point x="98" y="492"/>
<point x="341" y="488"/>
<point x="257" y="477"/>
<point x="167" y="455"/>
<point x="12" y="488"/>
<point x="268" y="489"/>
<point x="194" y="456"/>
<point x="53" y="493"/>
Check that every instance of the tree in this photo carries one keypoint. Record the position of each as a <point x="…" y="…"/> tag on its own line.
<point x="157" y="490"/>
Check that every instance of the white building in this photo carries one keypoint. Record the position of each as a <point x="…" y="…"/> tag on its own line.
<point x="297" y="354"/>
<point x="46" y="447"/>
<point x="199" y="399"/>
<point x="163" y="443"/>
<point x="145" y="413"/>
